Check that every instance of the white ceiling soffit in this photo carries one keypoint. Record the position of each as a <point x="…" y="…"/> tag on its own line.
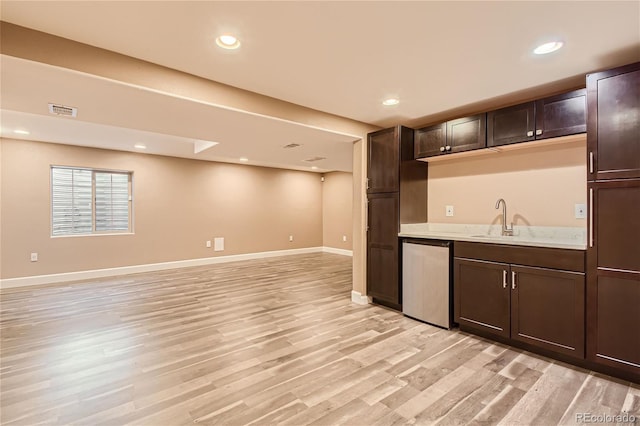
<point x="346" y="57"/>
<point x="114" y="115"/>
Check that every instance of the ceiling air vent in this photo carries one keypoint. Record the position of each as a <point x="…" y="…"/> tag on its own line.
<point x="311" y="160"/>
<point x="291" y="145"/>
<point x="57" y="109"/>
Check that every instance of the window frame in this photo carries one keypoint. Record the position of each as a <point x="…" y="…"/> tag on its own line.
<point x="129" y="173"/>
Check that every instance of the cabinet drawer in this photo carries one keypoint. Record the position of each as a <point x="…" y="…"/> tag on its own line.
<point x="552" y="258"/>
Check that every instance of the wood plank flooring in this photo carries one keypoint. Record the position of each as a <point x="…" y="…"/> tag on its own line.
<point x="272" y="341"/>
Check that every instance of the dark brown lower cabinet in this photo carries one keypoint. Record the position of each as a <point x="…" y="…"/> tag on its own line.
<point x="538" y="306"/>
<point x="547" y="309"/>
<point x="613" y="275"/>
<point x="482" y="302"/>
<point x="383" y="248"/>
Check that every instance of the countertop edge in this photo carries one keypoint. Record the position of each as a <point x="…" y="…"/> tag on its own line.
<point x="488" y="240"/>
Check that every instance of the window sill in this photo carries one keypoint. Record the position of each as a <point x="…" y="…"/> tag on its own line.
<point x="106" y="234"/>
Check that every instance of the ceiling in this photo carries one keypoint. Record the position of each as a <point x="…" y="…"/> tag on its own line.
<point x="113" y="115"/>
<point x="344" y="57"/>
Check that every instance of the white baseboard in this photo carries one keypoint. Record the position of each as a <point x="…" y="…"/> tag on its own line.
<point x="123" y="270"/>
<point x="337" y="251"/>
<point x="357" y="297"/>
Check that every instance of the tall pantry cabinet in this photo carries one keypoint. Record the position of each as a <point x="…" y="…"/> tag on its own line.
<point x="396" y="193"/>
<point x="613" y="252"/>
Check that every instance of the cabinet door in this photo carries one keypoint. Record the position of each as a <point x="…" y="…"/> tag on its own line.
<point x="511" y="125"/>
<point x="383" y="161"/>
<point x="465" y="134"/>
<point x="481" y="295"/>
<point x="430" y="141"/>
<point x="547" y="309"/>
<point x="561" y="115"/>
<point x="613" y="127"/>
<point x="382" y="248"/>
<point x="613" y="274"/>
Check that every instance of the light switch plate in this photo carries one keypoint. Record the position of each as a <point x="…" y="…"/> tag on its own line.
<point x="581" y="211"/>
<point x="218" y="244"/>
<point x="448" y="210"/>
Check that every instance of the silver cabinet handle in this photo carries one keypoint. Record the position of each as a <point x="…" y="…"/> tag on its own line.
<point x="538" y="132"/>
<point x="513" y="280"/>
<point x="442" y="149"/>
<point x="590" y="217"/>
<point x="591" y="162"/>
<point x="367" y="183"/>
<point x="504" y="279"/>
<point x="530" y="133"/>
<point x="448" y="148"/>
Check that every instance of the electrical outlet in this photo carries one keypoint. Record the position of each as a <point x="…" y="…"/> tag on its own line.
<point x="581" y="211"/>
<point x="209" y="244"/>
<point x="290" y="237"/>
<point x="344" y="238"/>
<point x="448" y="211"/>
<point x="34" y="257"/>
<point x="218" y="244"/>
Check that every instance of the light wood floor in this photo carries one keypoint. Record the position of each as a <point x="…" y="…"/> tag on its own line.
<point x="273" y="341"/>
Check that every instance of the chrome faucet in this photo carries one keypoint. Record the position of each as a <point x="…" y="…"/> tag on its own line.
<point x="505" y="230"/>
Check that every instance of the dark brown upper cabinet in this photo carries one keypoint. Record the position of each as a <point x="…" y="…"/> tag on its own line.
<point x="551" y="117"/>
<point x="511" y="125"/>
<point x="613" y="129"/>
<point x="463" y="134"/>
<point x="383" y="161"/>
<point x="430" y="141"/>
<point x="561" y="115"/>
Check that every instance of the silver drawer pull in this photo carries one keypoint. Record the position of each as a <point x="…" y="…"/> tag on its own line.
<point x="513" y="280"/>
<point x="504" y="279"/>
<point x="538" y="132"/>
<point x="442" y="149"/>
<point x="530" y="133"/>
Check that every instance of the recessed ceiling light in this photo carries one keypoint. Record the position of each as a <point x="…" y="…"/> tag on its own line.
<point x="21" y="132"/>
<point x="545" y="48"/>
<point x="227" y="41"/>
<point x="390" y="102"/>
<point x="244" y="159"/>
<point x="314" y="168"/>
<point x="140" y="146"/>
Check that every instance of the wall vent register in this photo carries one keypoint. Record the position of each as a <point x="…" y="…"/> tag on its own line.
<point x="66" y="111"/>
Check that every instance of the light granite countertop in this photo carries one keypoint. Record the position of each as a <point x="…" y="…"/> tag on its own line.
<point x="536" y="236"/>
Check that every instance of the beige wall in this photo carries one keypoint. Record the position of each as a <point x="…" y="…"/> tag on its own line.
<point x="178" y="205"/>
<point x="337" y="197"/>
<point x="540" y="185"/>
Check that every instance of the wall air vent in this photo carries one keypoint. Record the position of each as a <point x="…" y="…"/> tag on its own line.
<point x="311" y="160"/>
<point x="57" y="109"/>
<point x="291" y="145"/>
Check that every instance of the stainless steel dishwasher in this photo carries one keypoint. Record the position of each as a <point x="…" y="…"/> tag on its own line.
<point x="426" y="281"/>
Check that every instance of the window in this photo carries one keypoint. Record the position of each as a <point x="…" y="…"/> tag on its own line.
<point x="85" y="201"/>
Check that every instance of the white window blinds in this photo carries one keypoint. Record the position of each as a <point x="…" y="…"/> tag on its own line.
<point x="112" y="201"/>
<point x="72" y="207"/>
<point x="86" y="201"/>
